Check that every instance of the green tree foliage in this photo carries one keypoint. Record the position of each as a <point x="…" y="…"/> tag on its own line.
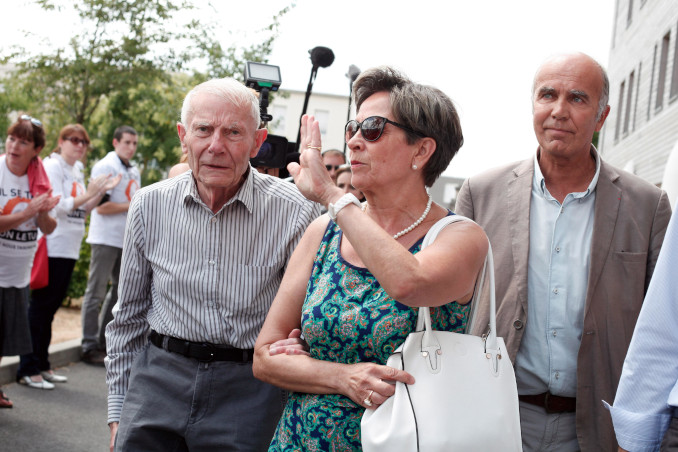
<point x="128" y="62"/>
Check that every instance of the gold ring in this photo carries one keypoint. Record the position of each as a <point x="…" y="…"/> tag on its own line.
<point x="368" y="399"/>
<point x="317" y="148"/>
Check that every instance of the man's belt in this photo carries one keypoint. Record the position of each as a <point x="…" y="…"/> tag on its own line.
<point x="204" y="351"/>
<point x="551" y="403"/>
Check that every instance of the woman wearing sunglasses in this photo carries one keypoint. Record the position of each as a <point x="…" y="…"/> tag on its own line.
<point x="356" y="279"/>
<point x="65" y="171"/>
<point x="25" y="201"/>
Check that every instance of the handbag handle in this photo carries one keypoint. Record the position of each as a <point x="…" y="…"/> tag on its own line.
<point x="424" y="317"/>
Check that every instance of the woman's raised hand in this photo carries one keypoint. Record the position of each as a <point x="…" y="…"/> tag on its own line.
<point x="310" y="174"/>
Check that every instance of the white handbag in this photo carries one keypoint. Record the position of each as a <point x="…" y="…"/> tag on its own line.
<point x="464" y="397"/>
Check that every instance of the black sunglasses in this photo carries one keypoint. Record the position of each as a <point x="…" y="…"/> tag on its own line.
<point x="77" y="141"/>
<point x="332" y="167"/>
<point x="35" y="122"/>
<point x="372" y="128"/>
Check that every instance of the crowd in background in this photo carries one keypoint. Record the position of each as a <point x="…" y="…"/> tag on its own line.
<point x="268" y="295"/>
<point x="45" y="206"/>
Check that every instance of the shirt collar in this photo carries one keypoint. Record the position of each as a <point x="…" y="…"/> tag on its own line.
<point x="127" y="165"/>
<point x="245" y="194"/>
<point x="57" y="157"/>
<point x="538" y="179"/>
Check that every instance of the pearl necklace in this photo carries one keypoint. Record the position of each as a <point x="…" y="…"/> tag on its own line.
<point x="416" y="223"/>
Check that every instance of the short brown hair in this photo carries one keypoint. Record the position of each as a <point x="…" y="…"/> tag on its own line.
<point x="422" y="108"/>
<point x="28" y="131"/>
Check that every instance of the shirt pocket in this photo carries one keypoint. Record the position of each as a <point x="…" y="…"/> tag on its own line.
<point x="256" y="286"/>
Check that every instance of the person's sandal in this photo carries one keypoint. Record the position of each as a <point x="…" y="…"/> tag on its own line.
<point x="4" y="401"/>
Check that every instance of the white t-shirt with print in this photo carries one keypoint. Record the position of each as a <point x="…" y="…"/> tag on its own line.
<point x="110" y="229"/>
<point x="17" y="245"/>
<point x="68" y="182"/>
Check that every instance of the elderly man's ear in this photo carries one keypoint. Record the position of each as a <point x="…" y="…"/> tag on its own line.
<point x="181" y="131"/>
<point x="259" y="138"/>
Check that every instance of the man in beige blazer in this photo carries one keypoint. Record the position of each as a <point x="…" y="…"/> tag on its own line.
<point x="575" y="242"/>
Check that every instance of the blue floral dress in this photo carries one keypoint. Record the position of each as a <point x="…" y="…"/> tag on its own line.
<point x="347" y="317"/>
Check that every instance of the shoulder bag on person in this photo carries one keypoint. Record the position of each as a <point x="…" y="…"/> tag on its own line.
<point x="38" y="183"/>
<point x="40" y="269"/>
<point x="464" y="397"/>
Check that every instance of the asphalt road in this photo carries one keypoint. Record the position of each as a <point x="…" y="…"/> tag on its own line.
<point x="71" y="417"/>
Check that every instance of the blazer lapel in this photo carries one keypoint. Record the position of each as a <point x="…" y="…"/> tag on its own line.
<point x="518" y="195"/>
<point x="608" y="200"/>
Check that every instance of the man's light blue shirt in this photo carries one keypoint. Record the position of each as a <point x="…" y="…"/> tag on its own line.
<point x="557" y="279"/>
<point x="648" y="388"/>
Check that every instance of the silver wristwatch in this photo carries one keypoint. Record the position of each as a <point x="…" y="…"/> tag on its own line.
<point x="333" y="209"/>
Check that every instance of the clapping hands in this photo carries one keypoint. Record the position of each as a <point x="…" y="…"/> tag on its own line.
<point x="101" y="184"/>
<point x="42" y="203"/>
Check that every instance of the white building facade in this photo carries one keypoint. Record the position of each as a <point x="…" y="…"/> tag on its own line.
<point x="330" y="110"/>
<point x="642" y="129"/>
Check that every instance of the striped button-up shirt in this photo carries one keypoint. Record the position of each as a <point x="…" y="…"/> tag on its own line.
<point x="197" y="275"/>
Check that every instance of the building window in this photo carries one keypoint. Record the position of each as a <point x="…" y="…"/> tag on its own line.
<point x="635" y="103"/>
<point x="649" y="98"/>
<point x="278" y="124"/>
<point x="629" y="99"/>
<point x="629" y="17"/>
<point x="674" y="74"/>
<point x="620" y="109"/>
<point x="661" y="81"/>
<point x="323" y="118"/>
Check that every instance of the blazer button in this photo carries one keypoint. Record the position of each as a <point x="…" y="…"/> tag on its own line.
<point x="518" y="324"/>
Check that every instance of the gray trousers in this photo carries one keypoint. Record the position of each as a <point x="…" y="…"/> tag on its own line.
<point x="104" y="265"/>
<point x="544" y="432"/>
<point x="670" y="442"/>
<point x="175" y="403"/>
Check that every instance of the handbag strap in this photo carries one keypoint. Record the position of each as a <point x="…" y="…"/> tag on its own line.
<point x="424" y="317"/>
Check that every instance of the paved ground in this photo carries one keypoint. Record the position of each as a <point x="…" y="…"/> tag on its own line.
<point x="71" y="417"/>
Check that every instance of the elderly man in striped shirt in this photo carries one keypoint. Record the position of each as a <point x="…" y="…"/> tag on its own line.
<point x="203" y="257"/>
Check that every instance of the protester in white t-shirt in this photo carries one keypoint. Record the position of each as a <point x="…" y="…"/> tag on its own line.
<point x="65" y="172"/>
<point x="106" y="231"/>
<point x="25" y="201"/>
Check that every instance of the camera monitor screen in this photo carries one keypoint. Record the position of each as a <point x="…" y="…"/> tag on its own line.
<point x="259" y="72"/>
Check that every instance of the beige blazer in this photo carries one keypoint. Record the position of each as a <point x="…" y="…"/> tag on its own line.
<point x="630" y="219"/>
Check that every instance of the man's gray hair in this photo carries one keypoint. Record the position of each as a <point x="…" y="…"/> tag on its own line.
<point x="605" y="92"/>
<point x="228" y="89"/>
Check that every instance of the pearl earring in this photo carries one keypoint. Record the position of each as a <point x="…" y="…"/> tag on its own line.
<point x="415" y="167"/>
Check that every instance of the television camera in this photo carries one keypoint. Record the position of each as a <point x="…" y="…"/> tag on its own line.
<point x="265" y="78"/>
